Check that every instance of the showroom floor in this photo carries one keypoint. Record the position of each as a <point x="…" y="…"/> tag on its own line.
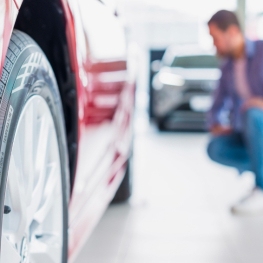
<point x="179" y="212"/>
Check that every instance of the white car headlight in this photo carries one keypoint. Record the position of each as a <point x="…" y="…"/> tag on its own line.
<point x="171" y="79"/>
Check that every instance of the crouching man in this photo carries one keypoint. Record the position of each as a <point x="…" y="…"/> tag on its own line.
<point x="237" y="141"/>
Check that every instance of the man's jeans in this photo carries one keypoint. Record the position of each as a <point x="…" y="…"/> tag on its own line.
<point x="242" y="150"/>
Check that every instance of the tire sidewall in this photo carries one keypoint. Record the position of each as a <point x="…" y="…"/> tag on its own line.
<point x="40" y="82"/>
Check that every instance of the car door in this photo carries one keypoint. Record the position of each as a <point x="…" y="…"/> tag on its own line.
<point x="105" y="102"/>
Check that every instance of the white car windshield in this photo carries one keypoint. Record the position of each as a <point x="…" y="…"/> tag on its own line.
<point x="197" y="61"/>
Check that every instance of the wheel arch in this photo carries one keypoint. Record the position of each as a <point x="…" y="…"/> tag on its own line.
<point x="45" y="22"/>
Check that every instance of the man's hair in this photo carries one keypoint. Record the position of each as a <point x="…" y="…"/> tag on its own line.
<point x="223" y="19"/>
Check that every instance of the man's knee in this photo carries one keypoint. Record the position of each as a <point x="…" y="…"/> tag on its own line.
<point x="253" y="116"/>
<point x="213" y="149"/>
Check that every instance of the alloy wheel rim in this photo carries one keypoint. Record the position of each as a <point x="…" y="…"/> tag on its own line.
<point x="33" y="231"/>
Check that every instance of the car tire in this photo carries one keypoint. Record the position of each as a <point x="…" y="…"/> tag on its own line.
<point x="34" y="174"/>
<point x="125" y="189"/>
<point x="160" y="123"/>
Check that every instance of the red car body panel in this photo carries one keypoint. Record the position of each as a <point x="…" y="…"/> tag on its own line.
<point x="8" y="13"/>
<point x="105" y="92"/>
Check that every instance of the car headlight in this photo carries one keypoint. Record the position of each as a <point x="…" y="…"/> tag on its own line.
<point x="171" y="79"/>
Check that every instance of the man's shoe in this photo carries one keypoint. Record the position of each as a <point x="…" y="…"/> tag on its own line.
<point x="250" y="205"/>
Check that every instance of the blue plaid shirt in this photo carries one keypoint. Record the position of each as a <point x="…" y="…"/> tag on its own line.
<point x="226" y="109"/>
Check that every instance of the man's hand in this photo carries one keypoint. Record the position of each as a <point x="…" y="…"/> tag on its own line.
<point x="218" y="130"/>
<point x="255" y="102"/>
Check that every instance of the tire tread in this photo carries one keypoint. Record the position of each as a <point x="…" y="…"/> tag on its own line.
<point x="18" y="42"/>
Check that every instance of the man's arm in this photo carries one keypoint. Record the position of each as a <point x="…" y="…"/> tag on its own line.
<point x="214" y="121"/>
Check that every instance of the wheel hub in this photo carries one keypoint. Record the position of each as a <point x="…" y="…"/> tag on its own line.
<point x="33" y="198"/>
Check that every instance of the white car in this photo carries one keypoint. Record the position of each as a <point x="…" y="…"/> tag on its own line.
<point x="183" y="86"/>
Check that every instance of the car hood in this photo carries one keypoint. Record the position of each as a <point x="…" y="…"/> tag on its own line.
<point x="193" y="73"/>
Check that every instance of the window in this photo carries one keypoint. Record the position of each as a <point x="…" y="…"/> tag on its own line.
<point x="200" y="61"/>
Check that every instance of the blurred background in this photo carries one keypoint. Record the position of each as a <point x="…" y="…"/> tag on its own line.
<point x="179" y="210"/>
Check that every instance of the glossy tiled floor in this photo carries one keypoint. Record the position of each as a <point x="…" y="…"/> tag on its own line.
<point x="179" y="212"/>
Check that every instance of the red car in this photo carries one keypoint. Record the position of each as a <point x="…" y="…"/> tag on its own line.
<point x="66" y="106"/>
